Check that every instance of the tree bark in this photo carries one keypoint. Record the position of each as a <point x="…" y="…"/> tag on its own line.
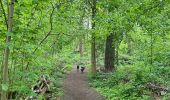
<point x="7" y="50"/>
<point x="151" y="48"/>
<point x="2" y="63"/>
<point x="93" y="42"/>
<point x="110" y="54"/>
<point x="129" y="43"/>
<point x="117" y="54"/>
<point x="81" y="47"/>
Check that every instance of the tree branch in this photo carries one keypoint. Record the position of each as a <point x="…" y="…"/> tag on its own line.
<point x="4" y="14"/>
<point x="32" y="14"/>
<point x="148" y="9"/>
<point x="51" y="28"/>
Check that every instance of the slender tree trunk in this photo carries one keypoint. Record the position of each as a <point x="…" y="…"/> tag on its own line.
<point x="5" y="17"/>
<point x="84" y="43"/>
<point x="82" y="36"/>
<point x="7" y="50"/>
<point x="109" y="54"/>
<point x="129" y="43"/>
<point x="81" y="47"/>
<point x="93" y="42"/>
<point x="93" y="56"/>
<point x="2" y="63"/>
<point x="117" y="54"/>
<point x="151" y="55"/>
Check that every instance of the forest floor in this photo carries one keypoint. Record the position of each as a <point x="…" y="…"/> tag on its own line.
<point x="76" y="87"/>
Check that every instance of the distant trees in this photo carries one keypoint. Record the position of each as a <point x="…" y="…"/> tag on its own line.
<point x="125" y="19"/>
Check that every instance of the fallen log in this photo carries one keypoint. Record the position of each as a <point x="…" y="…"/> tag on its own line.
<point x="158" y="89"/>
<point x="42" y="87"/>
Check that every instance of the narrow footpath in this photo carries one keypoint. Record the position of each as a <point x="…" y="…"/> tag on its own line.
<point x="76" y="87"/>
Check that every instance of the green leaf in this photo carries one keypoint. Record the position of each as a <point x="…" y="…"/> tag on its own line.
<point x="4" y="87"/>
<point x="9" y="34"/>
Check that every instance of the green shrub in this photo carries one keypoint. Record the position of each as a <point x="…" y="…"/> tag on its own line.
<point x="128" y="82"/>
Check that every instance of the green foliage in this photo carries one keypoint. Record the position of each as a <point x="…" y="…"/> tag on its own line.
<point x="4" y="87"/>
<point x="34" y="53"/>
<point x="45" y="43"/>
<point x="129" y="82"/>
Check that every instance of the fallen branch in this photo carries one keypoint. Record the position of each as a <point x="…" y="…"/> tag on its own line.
<point x="42" y="87"/>
<point x="159" y="90"/>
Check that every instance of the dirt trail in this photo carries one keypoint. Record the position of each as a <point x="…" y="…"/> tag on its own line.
<point x="76" y="87"/>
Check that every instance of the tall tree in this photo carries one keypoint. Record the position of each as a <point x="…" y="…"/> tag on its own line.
<point x="109" y="53"/>
<point x="93" y="41"/>
<point x="7" y="51"/>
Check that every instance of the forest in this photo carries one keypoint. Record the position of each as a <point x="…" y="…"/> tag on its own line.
<point x="123" y="47"/>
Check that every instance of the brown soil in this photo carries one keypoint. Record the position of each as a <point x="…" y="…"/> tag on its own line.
<point x="76" y="87"/>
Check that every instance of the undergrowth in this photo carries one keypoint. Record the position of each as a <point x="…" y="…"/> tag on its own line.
<point x="130" y="82"/>
<point x="54" y="67"/>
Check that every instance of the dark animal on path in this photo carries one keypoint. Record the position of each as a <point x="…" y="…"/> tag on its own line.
<point x="77" y="68"/>
<point x="82" y="69"/>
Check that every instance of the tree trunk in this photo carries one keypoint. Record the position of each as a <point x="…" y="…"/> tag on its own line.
<point x="7" y="50"/>
<point x="151" y="48"/>
<point x="81" y="47"/>
<point x="93" y="42"/>
<point x="109" y="54"/>
<point x="129" y="43"/>
<point x="2" y="63"/>
<point x="117" y="54"/>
